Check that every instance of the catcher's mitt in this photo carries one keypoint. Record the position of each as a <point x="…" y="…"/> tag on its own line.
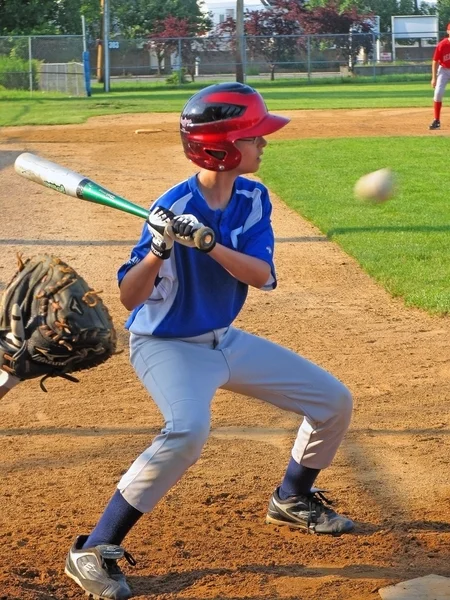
<point x="52" y="322"/>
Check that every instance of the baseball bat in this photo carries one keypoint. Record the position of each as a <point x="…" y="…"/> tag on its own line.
<point x="74" y="184"/>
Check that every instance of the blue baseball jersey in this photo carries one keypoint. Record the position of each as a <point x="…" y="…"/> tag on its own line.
<point x="193" y="294"/>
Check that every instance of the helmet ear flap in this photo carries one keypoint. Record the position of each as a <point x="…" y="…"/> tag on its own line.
<point x="223" y="156"/>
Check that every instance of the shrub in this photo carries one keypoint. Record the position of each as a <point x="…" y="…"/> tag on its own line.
<point x="252" y="70"/>
<point x="15" y="73"/>
<point x="177" y="77"/>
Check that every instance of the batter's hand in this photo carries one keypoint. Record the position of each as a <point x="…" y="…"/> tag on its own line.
<point x="183" y="229"/>
<point x="158" y="223"/>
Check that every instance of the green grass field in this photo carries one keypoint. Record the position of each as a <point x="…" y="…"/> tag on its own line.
<point x="25" y="108"/>
<point x="404" y="244"/>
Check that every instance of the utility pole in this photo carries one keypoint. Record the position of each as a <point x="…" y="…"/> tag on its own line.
<point x="100" y="74"/>
<point x="106" y="20"/>
<point x="103" y="46"/>
<point x="240" y="41"/>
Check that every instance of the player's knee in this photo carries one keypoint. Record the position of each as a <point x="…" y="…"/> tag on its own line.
<point x="191" y="442"/>
<point x="344" y="403"/>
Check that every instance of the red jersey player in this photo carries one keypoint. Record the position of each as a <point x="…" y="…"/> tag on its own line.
<point x="440" y="75"/>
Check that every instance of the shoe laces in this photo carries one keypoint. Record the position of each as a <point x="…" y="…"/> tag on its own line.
<point x="317" y="505"/>
<point x="113" y="568"/>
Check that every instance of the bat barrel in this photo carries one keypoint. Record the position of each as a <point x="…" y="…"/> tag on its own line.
<point x="71" y="183"/>
<point x="48" y="174"/>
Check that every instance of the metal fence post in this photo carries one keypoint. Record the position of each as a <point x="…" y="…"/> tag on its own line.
<point x="244" y="56"/>
<point x="106" y="64"/>
<point x="180" y="63"/>
<point x="86" y="59"/>
<point x="308" y="48"/>
<point x="374" y="62"/>
<point x="30" y="64"/>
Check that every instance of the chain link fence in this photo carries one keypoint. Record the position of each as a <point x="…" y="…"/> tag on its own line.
<point x="45" y="63"/>
<point x="269" y="57"/>
<point x="49" y="62"/>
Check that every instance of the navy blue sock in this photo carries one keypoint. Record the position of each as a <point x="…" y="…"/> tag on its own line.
<point x="298" y="480"/>
<point x="114" y="524"/>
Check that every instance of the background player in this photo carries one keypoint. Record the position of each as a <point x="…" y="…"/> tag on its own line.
<point x="184" y="347"/>
<point x="440" y="74"/>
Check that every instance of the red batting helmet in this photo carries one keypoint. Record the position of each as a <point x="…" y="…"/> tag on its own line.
<point x="214" y="118"/>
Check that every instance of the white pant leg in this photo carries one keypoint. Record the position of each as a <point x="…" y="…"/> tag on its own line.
<point x="182" y="378"/>
<point x="262" y="369"/>
<point x="443" y="76"/>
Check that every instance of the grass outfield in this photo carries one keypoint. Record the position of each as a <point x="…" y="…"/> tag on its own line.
<point x="25" y="108"/>
<point x="404" y="243"/>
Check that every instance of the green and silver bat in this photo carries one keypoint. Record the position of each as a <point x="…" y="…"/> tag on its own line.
<point x="74" y="184"/>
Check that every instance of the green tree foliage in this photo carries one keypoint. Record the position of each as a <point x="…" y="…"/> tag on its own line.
<point x="443" y="10"/>
<point x="133" y="18"/>
<point x="46" y="17"/>
<point x="385" y="9"/>
<point x="69" y="16"/>
<point x="137" y="18"/>
<point x="21" y="17"/>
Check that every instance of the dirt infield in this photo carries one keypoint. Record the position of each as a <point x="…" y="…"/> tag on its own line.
<point x="63" y="452"/>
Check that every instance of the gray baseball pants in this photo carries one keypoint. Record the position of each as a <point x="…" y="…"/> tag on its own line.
<point x="443" y="76"/>
<point x="182" y="376"/>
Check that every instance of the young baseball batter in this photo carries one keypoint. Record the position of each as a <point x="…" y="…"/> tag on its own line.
<point x="440" y="74"/>
<point x="184" y="347"/>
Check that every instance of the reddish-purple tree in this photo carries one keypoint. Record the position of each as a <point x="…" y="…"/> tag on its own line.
<point x="347" y="30"/>
<point x="272" y="34"/>
<point x="180" y="37"/>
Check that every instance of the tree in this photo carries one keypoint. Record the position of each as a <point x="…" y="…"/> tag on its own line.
<point x="181" y="37"/>
<point x="273" y="33"/>
<point x="427" y="9"/>
<point x="20" y="17"/>
<point x="385" y="9"/>
<point x="46" y="17"/>
<point x="69" y="16"/>
<point x="443" y="10"/>
<point x="348" y="29"/>
<point x="137" y="18"/>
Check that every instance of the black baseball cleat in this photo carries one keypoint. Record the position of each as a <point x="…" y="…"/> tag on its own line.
<point x="436" y="124"/>
<point x="309" y="512"/>
<point x="95" y="570"/>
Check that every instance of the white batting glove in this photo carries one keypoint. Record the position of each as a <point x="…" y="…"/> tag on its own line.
<point x="183" y="229"/>
<point x="158" y="223"/>
<point x="17" y="334"/>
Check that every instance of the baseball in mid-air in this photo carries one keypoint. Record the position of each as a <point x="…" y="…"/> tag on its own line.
<point x="375" y="187"/>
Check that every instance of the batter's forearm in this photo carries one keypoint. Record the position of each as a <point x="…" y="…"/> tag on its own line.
<point x="248" y="269"/>
<point x="138" y="283"/>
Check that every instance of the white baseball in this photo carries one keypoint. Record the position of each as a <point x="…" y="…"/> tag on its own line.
<point x="375" y="187"/>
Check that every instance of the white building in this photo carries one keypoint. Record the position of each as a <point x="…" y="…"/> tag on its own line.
<point x="221" y="10"/>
